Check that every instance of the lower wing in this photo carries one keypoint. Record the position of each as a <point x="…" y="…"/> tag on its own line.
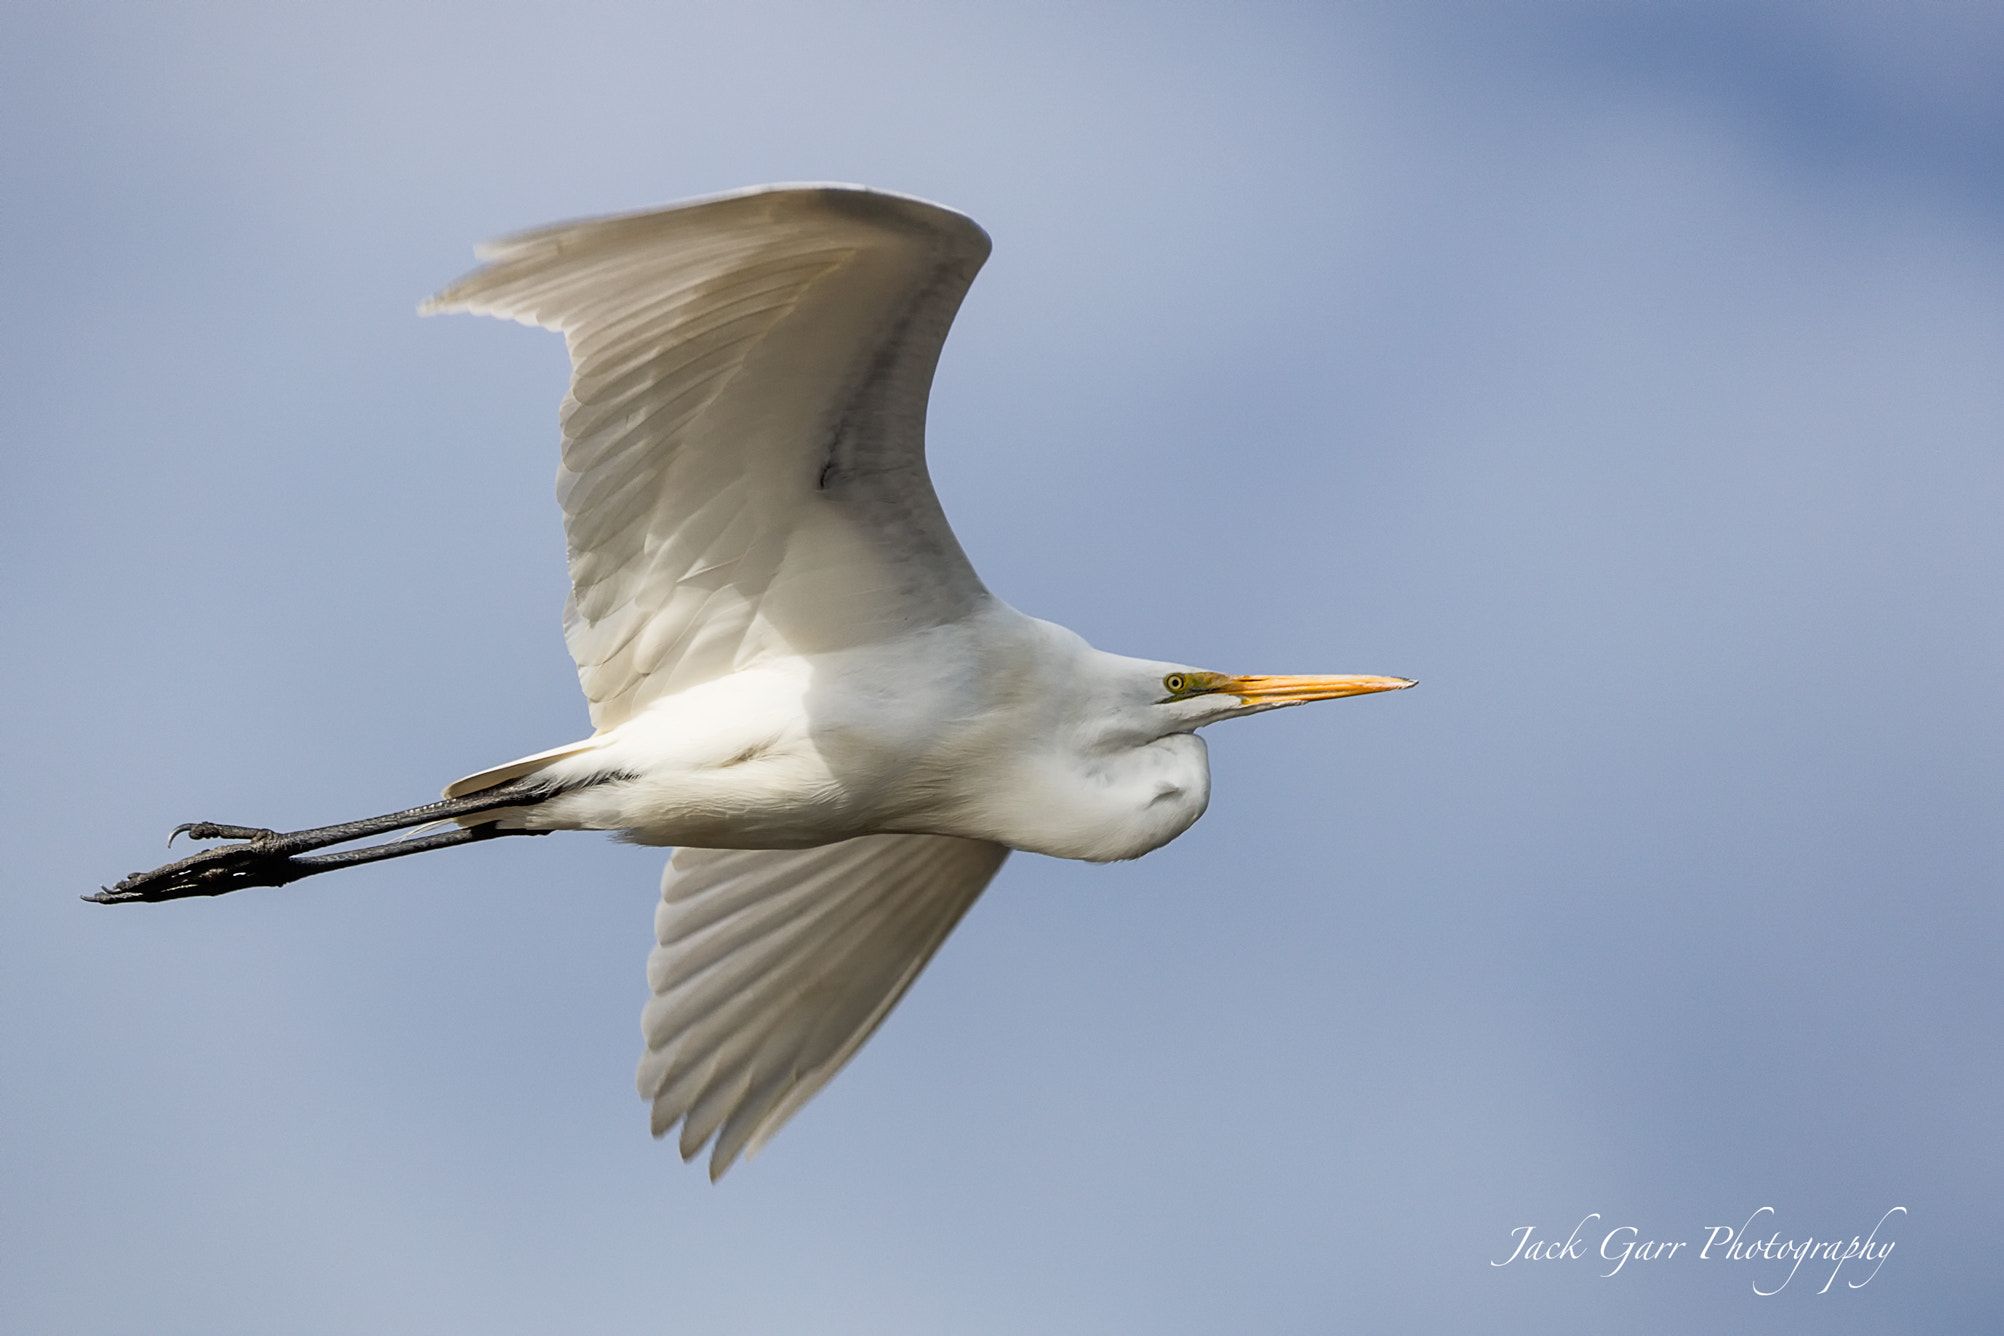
<point x="774" y="965"/>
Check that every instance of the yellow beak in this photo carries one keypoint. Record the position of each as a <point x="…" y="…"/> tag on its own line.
<point x="1296" y="690"/>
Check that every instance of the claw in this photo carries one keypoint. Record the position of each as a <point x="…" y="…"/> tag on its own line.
<point x="209" y="830"/>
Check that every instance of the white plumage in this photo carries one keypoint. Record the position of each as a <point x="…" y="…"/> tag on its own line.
<point x="744" y="439"/>
<point x="773" y="966"/>
<point x="793" y="672"/>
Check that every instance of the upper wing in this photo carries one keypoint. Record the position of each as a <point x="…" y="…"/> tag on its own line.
<point x="744" y="439"/>
<point x="775" y="965"/>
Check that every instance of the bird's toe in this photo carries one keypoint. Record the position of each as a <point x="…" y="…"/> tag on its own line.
<point x="210" y="830"/>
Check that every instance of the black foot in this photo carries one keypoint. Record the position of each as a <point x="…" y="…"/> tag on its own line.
<point x="274" y="858"/>
<point x="209" y="830"/>
<point x="262" y="861"/>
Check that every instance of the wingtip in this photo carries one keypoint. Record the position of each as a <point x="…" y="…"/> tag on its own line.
<point x="442" y="302"/>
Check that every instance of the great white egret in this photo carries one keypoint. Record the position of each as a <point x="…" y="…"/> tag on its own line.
<point x="794" y="674"/>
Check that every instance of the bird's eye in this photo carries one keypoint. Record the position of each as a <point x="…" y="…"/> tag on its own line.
<point x="1175" y="683"/>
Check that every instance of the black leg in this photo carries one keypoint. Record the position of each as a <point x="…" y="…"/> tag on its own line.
<point x="272" y="858"/>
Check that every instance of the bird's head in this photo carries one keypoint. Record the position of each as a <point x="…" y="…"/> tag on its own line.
<point x="1096" y="755"/>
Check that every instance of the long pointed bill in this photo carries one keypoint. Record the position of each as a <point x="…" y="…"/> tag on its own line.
<point x="1274" y="691"/>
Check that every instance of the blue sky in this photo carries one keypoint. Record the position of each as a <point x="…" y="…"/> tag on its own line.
<point x="1626" y="373"/>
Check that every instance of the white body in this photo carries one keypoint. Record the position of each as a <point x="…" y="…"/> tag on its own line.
<point x="924" y="734"/>
<point x="793" y="672"/>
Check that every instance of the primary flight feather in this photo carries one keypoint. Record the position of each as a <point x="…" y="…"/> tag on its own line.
<point x="793" y="672"/>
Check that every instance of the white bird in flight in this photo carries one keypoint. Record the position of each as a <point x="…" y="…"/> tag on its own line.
<point x="794" y="675"/>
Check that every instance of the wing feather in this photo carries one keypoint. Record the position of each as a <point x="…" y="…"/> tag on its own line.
<point x="775" y="965"/>
<point x="744" y="437"/>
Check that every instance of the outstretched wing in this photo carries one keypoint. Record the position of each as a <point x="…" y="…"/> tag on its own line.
<point x="775" y="965"/>
<point x="744" y="439"/>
